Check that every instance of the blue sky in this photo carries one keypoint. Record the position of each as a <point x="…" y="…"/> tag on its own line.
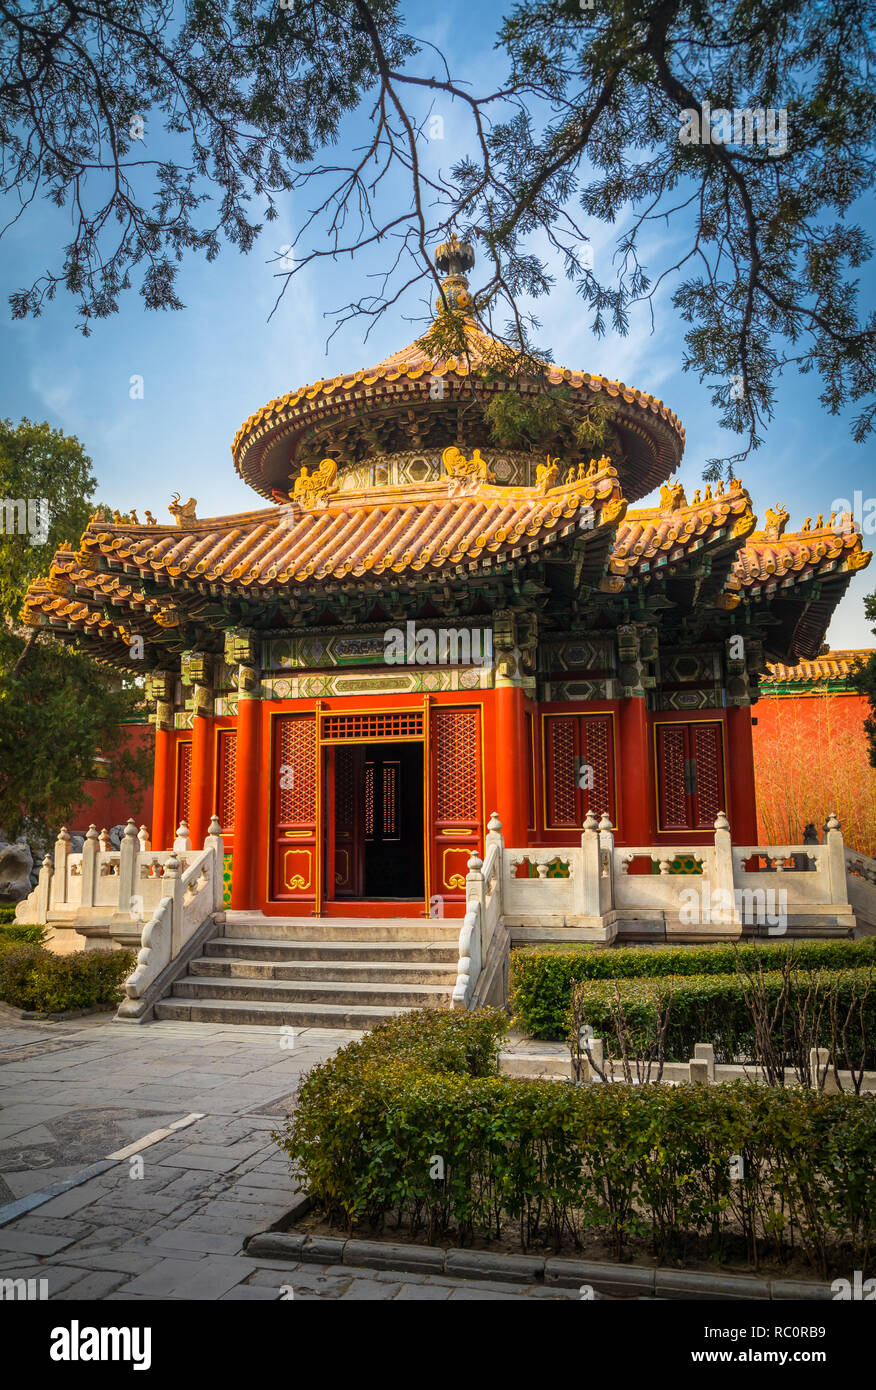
<point x="207" y="368"/>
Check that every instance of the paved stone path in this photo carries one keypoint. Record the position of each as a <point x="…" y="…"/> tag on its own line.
<point x="169" y="1222"/>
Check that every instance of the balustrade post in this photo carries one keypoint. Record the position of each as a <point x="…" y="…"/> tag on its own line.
<point x="587" y="890"/>
<point x="836" y="861"/>
<point x="171" y="887"/>
<point x="724" y="885"/>
<point x="44" y="890"/>
<point x="606" y="863"/>
<point x="183" y="840"/>
<point x="60" y="876"/>
<point x="89" y="867"/>
<point x="214" y="841"/>
<point x="128" y="852"/>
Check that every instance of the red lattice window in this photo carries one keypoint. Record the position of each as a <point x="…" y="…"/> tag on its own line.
<point x="672" y="776"/>
<point x="296" y="770"/>
<point x="375" y="727"/>
<point x="456" y="733"/>
<point x="579" y="769"/>
<point x="369" y="801"/>
<point x="708" y="754"/>
<point x="390" y="801"/>
<point x="227" y="760"/>
<point x="183" y="781"/>
<point x="690" y="775"/>
<point x="344" y="763"/>
<point x="530" y="775"/>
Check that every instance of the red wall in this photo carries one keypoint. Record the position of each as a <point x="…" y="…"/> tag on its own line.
<point x="109" y="806"/>
<point x="811" y="758"/>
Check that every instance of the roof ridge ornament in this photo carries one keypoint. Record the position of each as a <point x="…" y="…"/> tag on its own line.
<point x="453" y="258"/>
<point x="317" y="486"/>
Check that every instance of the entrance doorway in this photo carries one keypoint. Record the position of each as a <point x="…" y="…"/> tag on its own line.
<point x="374" y="822"/>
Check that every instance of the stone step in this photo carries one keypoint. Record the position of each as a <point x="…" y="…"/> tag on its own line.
<point x="314" y="992"/>
<point x="258" y="949"/>
<point x="309" y="929"/>
<point x="226" y="1011"/>
<point x="359" y="971"/>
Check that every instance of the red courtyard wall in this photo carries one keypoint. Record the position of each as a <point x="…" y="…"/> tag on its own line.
<point x="810" y="758"/>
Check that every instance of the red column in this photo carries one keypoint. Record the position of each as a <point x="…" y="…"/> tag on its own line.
<point x="201" y="797"/>
<point x="246" y="784"/>
<point x="163" y="790"/>
<point x="742" y="812"/>
<point x="636" y="774"/>
<point x="512" y="766"/>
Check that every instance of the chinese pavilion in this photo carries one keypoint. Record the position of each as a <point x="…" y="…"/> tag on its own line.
<point x="620" y="650"/>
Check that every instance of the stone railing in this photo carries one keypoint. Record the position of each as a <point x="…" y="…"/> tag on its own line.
<point x="596" y="891"/>
<point x="189" y="899"/>
<point x="861" y="882"/>
<point x="593" y="1066"/>
<point x="482" y="969"/>
<point x="108" y="896"/>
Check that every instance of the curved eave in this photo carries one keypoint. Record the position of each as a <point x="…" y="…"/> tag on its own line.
<point x="297" y="427"/>
<point x="394" y="536"/>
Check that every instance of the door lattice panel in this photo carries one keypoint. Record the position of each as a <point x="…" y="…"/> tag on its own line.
<point x="373" y="727"/>
<point x="344" y="790"/>
<point x="296" y="756"/>
<point x="390" y="801"/>
<point x="456" y="735"/>
<point x="561" y="789"/>
<point x="369" y="801"/>
<point x="707" y="751"/>
<point x="671" y="753"/>
<point x="227" y="768"/>
<point x="184" y="783"/>
<point x="597" y="752"/>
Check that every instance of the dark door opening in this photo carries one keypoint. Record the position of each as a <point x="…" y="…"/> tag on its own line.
<point x="377" y="821"/>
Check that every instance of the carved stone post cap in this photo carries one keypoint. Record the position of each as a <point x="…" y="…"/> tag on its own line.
<point x="171" y="866"/>
<point x="130" y="826"/>
<point x="721" y="821"/>
<point x="182" y="831"/>
<point x="91" y="833"/>
<point x="215" y="827"/>
<point x="590" y="822"/>
<point x="832" y="822"/>
<point x="475" y="863"/>
<point x="64" y="835"/>
<point x="605" y="822"/>
<point x="494" y="823"/>
<point x="47" y="861"/>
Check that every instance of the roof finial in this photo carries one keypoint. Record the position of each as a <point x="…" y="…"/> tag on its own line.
<point x="453" y="257"/>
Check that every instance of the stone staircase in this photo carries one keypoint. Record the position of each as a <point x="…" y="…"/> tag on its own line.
<point x="316" y="972"/>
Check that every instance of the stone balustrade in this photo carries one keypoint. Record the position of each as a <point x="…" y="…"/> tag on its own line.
<point x="102" y="898"/>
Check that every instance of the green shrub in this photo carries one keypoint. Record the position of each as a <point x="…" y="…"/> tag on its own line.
<point x="7" y="914"/>
<point x="542" y="978"/>
<point x="23" y="931"/>
<point x="717" y="1009"/>
<point x="35" y="979"/>
<point x="560" y="1163"/>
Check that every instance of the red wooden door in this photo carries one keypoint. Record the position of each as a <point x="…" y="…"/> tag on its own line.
<point x="690" y="774"/>
<point x="456" y="797"/>
<point x="579" y="769"/>
<point x="346" y="803"/>
<point x="294" y="821"/>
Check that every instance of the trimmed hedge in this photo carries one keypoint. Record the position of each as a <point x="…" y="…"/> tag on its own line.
<point x="7" y="915"/>
<point x="23" y="931"/>
<point x="36" y="979"/>
<point x="714" y="1009"/>
<point x="562" y="1163"/>
<point x="542" y="979"/>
